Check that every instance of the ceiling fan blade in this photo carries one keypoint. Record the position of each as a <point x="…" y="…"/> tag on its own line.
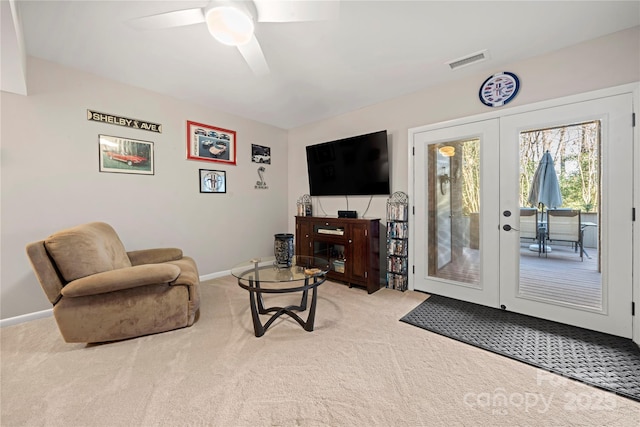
<point x="252" y="53"/>
<point x="296" y="11"/>
<point x="177" y="18"/>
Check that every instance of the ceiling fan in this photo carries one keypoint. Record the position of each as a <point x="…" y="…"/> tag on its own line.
<point x="232" y="22"/>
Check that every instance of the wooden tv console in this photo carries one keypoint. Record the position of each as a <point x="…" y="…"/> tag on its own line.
<point x="351" y="245"/>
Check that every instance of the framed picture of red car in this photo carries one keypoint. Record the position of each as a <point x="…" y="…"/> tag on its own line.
<point x="210" y="143"/>
<point x="125" y="155"/>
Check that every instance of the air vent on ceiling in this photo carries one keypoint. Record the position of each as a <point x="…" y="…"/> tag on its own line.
<point x="468" y="60"/>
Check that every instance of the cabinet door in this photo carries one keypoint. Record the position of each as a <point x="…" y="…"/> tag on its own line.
<point x="303" y="238"/>
<point x="358" y="257"/>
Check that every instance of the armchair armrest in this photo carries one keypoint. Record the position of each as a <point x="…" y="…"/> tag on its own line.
<point x="122" y="278"/>
<point x="154" y="256"/>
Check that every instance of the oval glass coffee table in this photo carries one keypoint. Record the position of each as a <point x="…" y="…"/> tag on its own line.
<point x="265" y="276"/>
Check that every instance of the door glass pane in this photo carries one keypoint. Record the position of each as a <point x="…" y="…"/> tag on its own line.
<point x="559" y="215"/>
<point x="454" y="211"/>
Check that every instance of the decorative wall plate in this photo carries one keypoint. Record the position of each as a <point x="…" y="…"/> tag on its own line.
<point x="499" y="89"/>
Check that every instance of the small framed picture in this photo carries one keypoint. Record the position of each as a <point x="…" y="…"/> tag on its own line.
<point x="125" y="155"/>
<point x="260" y="154"/>
<point x="210" y="143"/>
<point x="213" y="181"/>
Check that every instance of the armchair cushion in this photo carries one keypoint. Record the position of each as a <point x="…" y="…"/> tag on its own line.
<point x="154" y="256"/>
<point x="123" y="278"/>
<point x="188" y="271"/>
<point x="85" y="250"/>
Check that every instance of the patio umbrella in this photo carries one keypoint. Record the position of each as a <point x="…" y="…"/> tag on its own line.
<point x="545" y="188"/>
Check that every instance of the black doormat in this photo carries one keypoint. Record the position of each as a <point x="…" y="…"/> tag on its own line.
<point x="601" y="360"/>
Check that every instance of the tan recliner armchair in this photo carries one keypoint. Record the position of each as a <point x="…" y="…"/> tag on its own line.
<point x="100" y="292"/>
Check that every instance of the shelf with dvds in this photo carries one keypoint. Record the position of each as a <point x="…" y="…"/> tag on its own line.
<point x="398" y="241"/>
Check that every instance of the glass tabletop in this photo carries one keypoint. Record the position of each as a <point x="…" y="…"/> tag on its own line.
<point x="266" y="269"/>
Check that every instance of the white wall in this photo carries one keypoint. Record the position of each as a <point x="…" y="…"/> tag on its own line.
<point x="604" y="62"/>
<point x="50" y="178"/>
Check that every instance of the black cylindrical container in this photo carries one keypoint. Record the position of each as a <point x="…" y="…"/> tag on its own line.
<point x="283" y="249"/>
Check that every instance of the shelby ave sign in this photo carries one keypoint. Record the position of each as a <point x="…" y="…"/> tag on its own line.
<point x="123" y="121"/>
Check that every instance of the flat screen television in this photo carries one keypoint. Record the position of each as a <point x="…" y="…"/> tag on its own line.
<point x="355" y="166"/>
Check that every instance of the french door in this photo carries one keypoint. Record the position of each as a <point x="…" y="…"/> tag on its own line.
<point x="457" y="240"/>
<point x="471" y="181"/>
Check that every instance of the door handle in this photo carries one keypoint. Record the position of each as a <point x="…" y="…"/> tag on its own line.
<point x="507" y="227"/>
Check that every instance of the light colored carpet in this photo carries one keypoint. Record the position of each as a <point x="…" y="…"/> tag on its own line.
<point x="360" y="367"/>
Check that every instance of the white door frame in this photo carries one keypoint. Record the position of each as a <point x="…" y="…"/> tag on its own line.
<point x="633" y="88"/>
<point x="487" y="291"/>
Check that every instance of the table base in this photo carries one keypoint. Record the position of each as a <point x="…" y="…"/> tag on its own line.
<point x="257" y="306"/>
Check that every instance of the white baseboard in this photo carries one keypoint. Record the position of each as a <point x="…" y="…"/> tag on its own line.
<point x="48" y="313"/>
<point x="215" y="275"/>
<point x="26" y="317"/>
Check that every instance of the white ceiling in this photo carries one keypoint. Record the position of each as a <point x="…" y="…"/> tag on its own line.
<point x="375" y="50"/>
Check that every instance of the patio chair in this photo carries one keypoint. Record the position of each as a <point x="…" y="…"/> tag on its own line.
<point x="529" y="223"/>
<point x="530" y="227"/>
<point x="564" y="225"/>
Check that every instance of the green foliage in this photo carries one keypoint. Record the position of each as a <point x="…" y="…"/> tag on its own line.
<point x="575" y="151"/>
<point x="575" y="154"/>
<point x="471" y="177"/>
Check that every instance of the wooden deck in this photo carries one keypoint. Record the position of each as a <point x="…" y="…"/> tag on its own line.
<point x="559" y="276"/>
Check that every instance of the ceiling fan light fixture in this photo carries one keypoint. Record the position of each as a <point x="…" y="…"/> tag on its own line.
<point x="229" y="25"/>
